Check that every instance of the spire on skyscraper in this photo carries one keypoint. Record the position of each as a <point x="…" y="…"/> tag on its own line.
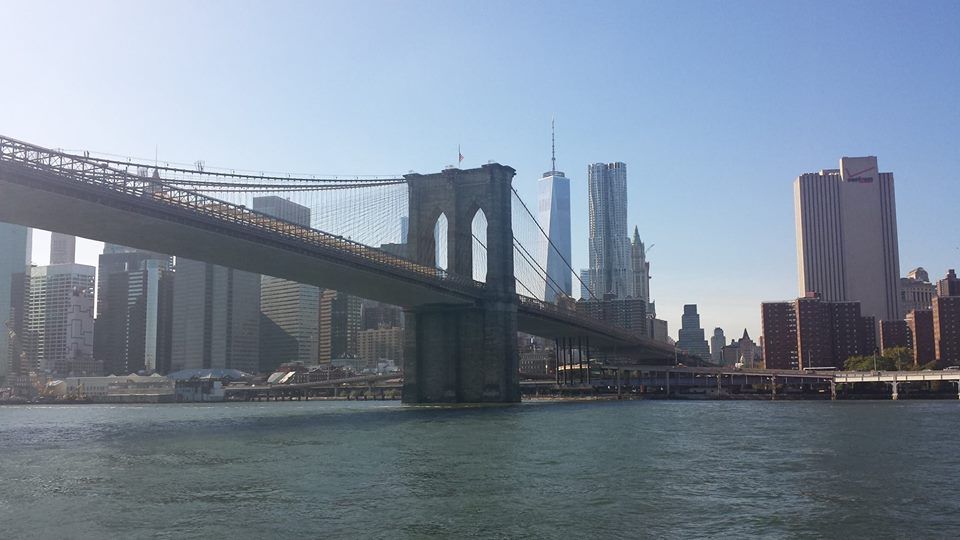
<point x="553" y="148"/>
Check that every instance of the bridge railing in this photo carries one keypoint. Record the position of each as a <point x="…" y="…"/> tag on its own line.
<point x="105" y="175"/>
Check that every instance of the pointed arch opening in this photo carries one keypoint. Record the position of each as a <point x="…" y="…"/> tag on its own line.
<point x="440" y="242"/>
<point x="478" y="229"/>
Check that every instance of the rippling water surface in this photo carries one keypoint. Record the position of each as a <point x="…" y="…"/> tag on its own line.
<point x="568" y="470"/>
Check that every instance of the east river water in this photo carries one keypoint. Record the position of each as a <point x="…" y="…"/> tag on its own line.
<point x="638" y="469"/>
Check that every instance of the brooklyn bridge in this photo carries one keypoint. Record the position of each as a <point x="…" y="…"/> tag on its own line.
<point x="464" y="268"/>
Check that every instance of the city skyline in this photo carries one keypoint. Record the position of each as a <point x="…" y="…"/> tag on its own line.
<point x="687" y="147"/>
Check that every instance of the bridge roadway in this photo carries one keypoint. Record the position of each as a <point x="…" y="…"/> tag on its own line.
<point x="53" y="191"/>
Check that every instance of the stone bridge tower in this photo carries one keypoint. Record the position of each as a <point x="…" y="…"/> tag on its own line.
<point x="463" y="354"/>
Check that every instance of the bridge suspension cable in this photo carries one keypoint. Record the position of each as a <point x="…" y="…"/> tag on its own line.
<point x="532" y="238"/>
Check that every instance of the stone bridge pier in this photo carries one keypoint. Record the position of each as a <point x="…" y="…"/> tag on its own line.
<point x="463" y="353"/>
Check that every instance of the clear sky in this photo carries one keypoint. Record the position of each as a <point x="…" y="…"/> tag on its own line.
<point x="715" y="107"/>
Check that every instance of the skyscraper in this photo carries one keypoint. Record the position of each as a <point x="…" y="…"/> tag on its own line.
<point x="339" y="326"/>
<point x="63" y="248"/>
<point x="717" y="342"/>
<point x="15" y="243"/>
<point x="554" y="212"/>
<point x="216" y="317"/>
<point x="59" y="320"/>
<point x="846" y="225"/>
<point x="691" y="334"/>
<point x="640" y="267"/>
<point x="134" y="311"/>
<point x="609" y="244"/>
<point x="290" y="325"/>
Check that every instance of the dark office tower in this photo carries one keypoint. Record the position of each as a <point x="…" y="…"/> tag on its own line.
<point x="134" y="311"/>
<point x="15" y="243"/>
<point x="216" y="318"/>
<point x="894" y="334"/>
<point x="949" y="285"/>
<point x="339" y="326"/>
<point x="717" y="343"/>
<point x="779" y="320"/>
<point x="289" y="330"/>
<point x="946" y="329"/>
<point x="846" y="224"/>
<point x="609" y="244"/>
<point x="691" y="334"/>
<point x="920" y="322"/>
<point x="63" y="248"/>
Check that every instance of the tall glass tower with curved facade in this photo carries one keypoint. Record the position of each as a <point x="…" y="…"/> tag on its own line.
<point x="610" y="249"/>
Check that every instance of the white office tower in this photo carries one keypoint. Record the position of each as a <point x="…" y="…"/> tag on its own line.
<point x="554" y="216"/>
<point x="610" y="264"/>
<point x="59" y="321"/>
<point x="15" y="243"/>
<point x="846" y="223"/>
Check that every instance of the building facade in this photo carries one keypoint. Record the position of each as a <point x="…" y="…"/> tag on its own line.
<point x="717" y="343"/>
<point x="290" y="323"/>
<point x="691" y="334"/>
<point x="216" y="318"/>
<point x="627" y="313"/>
<point x="15" y="246"/>
<point x="949" y="285"/>
<point x="946" y="329"/>
<point x="59" y="320"/>
<point x="134" y="311"/>
<point x="895" y="334"/>
<point x="811" y="333"/>
<point x="608" y="242"/>
<point x="380" y="345"/>
<point x="920" y="323"/>
<point x="779" y="323"/>
<point x="846" y="227"/>
<point x="916" y="291"/>
<point x="339" y="326"/>
<point x="554" y="215"/>
<point x="63" y="248"/>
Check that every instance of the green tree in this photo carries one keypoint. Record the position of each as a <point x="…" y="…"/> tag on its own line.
<point x="893" y="359"/>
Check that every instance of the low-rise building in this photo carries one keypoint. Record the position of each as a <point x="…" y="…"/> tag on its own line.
<point x="117" y="388"/>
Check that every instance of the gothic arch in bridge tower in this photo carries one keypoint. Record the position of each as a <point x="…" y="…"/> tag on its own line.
<point x="441" y="243"/>
<point x="478" y="237"/>
<point x="464" y="353"/>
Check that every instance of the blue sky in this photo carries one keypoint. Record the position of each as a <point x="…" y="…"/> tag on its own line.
<point x="715" y="107"/>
